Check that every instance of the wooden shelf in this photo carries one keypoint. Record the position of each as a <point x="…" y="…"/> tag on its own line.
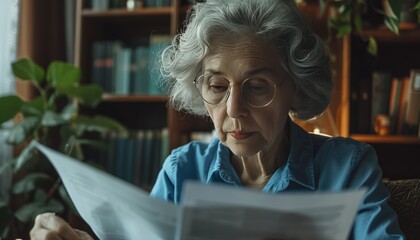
<point x="131" y="27"/>
<point x="133" y="98"/>
<point x="397" y="139"/>
<point x="385" y="35"/>
<point x="122" y="12"/>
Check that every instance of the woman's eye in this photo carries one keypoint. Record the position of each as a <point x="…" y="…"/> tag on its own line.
<point x="257" y="86"/>
<point x="218" y="88"/>
<point x="218" y="85"/>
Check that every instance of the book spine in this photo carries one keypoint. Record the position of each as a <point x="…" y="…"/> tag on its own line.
<point x="112" y="48"/>
<point x="381" y="84"/>
<point x="99" y="63"/>
<point x="402" y="108"/>
<point x="164" y="145"/>
<point x="129" y="161"/>
<point x="157" y="140"/>
<point x="157" y="44"/>
<point x="147" y="157"/>
<point x="363" y="124"/>
<point x="412" y="116"/>
<point x="141" y="76"/>
<point x="139" y="158"/>
<point x="394" y="99"/>
<point x="122" y="71"/>
<point x="100" y="4"/>
<point x="120" y="159"/>
<point x="150" y="3"/>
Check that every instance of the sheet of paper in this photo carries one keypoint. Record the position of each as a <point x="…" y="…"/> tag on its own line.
<point x="113" y="208"/>
<point x="117" y="210"/>
<point x="223" y="212"/>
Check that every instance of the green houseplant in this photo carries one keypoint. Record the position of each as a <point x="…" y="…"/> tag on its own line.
<point x="54" y="119"/>
<point x="346" y="16"/>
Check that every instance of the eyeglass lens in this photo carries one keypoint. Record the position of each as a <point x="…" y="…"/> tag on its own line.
<point x="215" y="89"/>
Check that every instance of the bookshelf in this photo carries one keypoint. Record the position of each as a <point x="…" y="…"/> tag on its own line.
<point x="140" y="111"/>
<point x="397" y="54"/>
<point x="398" y="151"/>
<point x="128" y="26"/>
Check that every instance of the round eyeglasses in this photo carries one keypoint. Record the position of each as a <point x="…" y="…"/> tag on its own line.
<point x="215" y="89"/>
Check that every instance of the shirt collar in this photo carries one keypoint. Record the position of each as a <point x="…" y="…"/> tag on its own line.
<point x="299" y="167"/>
<point x="221" y="167"/>
<point x="300" y="164"/>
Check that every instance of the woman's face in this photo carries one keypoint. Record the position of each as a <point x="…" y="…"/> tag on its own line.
<point x="244" y="129"/>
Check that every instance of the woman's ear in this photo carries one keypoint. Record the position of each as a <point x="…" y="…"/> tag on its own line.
<point x="296" y="101"/>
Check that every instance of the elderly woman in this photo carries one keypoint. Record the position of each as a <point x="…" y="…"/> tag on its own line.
<point x="251" y="65"/>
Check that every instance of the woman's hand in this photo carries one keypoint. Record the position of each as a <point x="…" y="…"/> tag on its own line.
<point x="49" y="226"/>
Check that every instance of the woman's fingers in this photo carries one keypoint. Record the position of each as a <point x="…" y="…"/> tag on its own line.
<point x="83" y="235"/>
<point x="48" y="226"/>
<point x="44" y="234"/>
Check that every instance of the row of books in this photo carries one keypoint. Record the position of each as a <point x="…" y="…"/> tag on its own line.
<point x="129" y="4"/>
<point x="138" y="156"/>
<point x="124" y="70"/>
<point x="395" y="98"/>
<point x="135" y="158"/>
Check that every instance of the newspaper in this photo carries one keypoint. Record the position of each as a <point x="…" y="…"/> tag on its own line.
<point x="116" y="209"/>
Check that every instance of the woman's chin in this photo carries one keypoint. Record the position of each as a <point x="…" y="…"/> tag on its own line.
<point x="243" y="149"/>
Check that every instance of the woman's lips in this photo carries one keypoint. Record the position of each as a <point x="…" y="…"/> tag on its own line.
<point x="240" y="135"/>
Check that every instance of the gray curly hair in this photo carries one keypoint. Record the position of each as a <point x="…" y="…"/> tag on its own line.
<point x="303" y="54"/>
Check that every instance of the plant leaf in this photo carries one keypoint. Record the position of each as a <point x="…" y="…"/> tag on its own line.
<point x="77" y="151"/>
<point x="30" y="182"/>
<point x="396" y="6"/>
<point x="34" y="107"/>
<point x="344" y="30"/>
<point x="51" y="119"/>
<point x="61" y="74"/>
<point x="40" y="195"/>
<point x="22" y="130"/>
<point x="10" y="106"/>
<point x="6" y="165"/>
<point x="372" y="46"/>
<point x="417" y="7"/>
<point x="5" y="217"/>
<point x="100" y="124"/>
<point x="28" y="212"/>
<point x="89" y="95"/>
<point x="358" y="23"/>
<point x="392" y="24"/>
<point x="26" y="69"/>
<point x="26" y="154"/>
<point x="68" y="112"/>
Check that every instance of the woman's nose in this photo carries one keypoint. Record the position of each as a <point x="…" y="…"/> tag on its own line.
<point x="236" y="105"/>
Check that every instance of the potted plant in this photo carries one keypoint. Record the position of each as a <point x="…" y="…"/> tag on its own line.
<point x="54" y="119"/>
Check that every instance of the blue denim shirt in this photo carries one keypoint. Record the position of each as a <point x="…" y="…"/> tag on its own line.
<point x="315" y="163"/>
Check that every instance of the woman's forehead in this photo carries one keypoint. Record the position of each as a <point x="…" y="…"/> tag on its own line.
<point x="237" y="41"/>
<point x="248" y="53"/>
